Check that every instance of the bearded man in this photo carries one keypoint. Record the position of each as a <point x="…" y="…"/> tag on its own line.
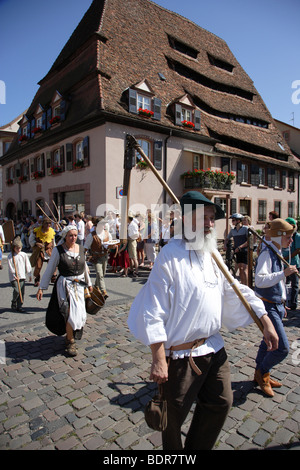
<point x="179" y="313"/>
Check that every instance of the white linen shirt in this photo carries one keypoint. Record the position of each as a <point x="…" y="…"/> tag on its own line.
<point x="22" y="264"/>
<point x="186" y="298"/>
<point x="264" y="276"/>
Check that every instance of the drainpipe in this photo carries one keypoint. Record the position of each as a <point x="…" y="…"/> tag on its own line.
<point x="165" y="165"/>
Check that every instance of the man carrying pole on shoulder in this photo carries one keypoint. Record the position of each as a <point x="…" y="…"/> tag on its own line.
<point x="179" y="313"/>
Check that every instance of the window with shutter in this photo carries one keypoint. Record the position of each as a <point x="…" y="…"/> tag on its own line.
<point x="242" y="172"/>
<point x="157" y="155"/>
<point x="157" y="109"/>
<point x="132" y="101"/>
<point x="291" y="182"/>
<point x="262" y="210"/>
<point x="271" y="177"/>
<point x="69" y="156"/>
<point x="86" y="151"/>
<point x="178" y="111"/>
<point x="143" y="103"/>
<point x="232" y="206"/>
<point x="283" y="180"/>
<point x="62" y="158"/>
<point x="49" y="117"/>
<point x="254" y="177"/>
<point x="197" y="118"/>
<point x="49" y="163"/>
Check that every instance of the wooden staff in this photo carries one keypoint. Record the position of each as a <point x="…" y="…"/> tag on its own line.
<point x="58" y="214"/>
<point x="17" y="277"/>
<point x="272" y="249"/>
<point x="45" y="213"/>
<point x="215" y="257"/>
<point x="55" y="219"/>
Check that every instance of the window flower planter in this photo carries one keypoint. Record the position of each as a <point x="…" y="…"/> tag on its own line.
<point x="54" y="120"/>
<point x="142" y="165"/>
<point x="208" y="178"/>
<point x="37" y="131"/>
<point x="188" y="124"/>
<point x="22" y="179"/>
<point x="9" y="182"/>
<point x="145" y="113"/>
<point x="23" y="139"/>
<point x="56" y="170"/>
<point x="37" y="174"/>
<point x="79" y="164"/>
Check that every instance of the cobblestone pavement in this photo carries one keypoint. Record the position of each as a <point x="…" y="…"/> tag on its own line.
<point x="96" y="400"/>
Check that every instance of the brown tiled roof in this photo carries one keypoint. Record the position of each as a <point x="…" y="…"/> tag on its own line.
<point x="121" y="43"/>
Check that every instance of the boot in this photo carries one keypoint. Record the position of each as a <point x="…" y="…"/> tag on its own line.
<point x="264" y="382"/>
<point x="105" y="294"/>
<point x="273" y="382"/>
<point x="71" y="348"/>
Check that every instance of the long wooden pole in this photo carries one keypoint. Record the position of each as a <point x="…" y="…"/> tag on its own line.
<point x="56" y="208"/>
<point x="55" y="219"/>
<point x="215" y="257"/>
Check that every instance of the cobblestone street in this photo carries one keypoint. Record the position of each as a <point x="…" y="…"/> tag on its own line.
<point x="96" y="400"/>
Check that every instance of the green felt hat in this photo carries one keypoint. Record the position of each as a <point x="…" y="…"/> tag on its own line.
<point x="193" y="198"/>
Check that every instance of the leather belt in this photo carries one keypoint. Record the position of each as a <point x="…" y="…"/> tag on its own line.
<point x="191" y="345"/>
<point x="271" y="301"/>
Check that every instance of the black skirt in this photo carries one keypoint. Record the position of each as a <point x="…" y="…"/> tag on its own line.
<point x="55" y="321"/>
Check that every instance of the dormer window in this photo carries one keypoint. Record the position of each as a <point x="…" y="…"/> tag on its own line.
<point x="186" y="113"/>
<point x="142" y="101"/>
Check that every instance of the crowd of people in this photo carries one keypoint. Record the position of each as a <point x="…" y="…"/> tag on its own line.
<point x="93" y="241"/>
<point x="179" y="312"/>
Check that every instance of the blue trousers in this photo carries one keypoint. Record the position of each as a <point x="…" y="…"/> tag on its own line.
<point x="266" y="360"/>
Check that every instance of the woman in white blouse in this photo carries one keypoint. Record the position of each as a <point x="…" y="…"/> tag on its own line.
<point x="73" y="276"/>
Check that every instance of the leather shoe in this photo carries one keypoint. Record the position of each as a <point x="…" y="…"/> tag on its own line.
<point x="264" y="382"/>
<point x="273" y="382"/>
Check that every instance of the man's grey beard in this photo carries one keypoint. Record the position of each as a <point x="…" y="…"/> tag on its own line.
<point x="206" y="243"/>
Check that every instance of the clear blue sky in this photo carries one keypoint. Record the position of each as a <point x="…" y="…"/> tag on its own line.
<point x="264" y="36"/>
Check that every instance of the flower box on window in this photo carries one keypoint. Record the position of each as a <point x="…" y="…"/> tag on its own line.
<point x="54" y="120"/>
<point x="37" y="131"/>
<point x="145" y="112"/>
<point x="23" y="178"/>
<point x="142" y="165"/>
<point x="37" y="174"/>
<point x="23" y="138"/>
<point x="9" y="182"/>
<point x="55" y="170"/>
<point x="188" y="124"/>
<point x="208" y="178"/>
<point x="78" y="164"/>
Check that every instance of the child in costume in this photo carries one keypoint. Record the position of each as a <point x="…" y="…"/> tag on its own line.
<point x="18" y="267"/>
